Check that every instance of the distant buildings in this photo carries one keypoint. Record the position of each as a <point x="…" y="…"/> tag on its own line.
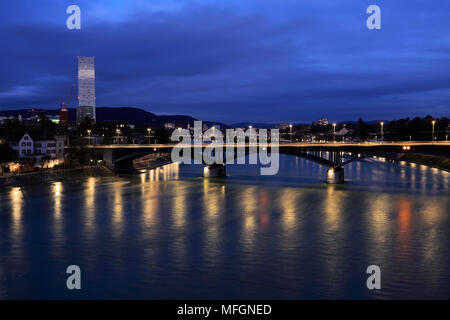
<point x="64" y="116"/>
<point x="322" y="122"/>
<point x="283" y="126"/>
<point x="86" y="89"/>
<point x="169" y="125"/>
<point x="39" y="148"/>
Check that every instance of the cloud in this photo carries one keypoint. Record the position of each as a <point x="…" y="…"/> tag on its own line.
<point x="233" y="60"/>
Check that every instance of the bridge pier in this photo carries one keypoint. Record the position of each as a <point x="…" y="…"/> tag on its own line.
<point x="335" y="175"/>
<point x="214" y="171"/>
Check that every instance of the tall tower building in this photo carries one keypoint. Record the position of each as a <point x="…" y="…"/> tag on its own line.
<point x="86" y="89"/>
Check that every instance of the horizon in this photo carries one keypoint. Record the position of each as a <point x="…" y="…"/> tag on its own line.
<point x="236" y="122"/>
<point x="231" y="61"/>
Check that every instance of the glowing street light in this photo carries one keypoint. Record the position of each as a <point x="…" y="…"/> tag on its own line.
<point x="118" y="135"/>
<point x="290" y="131"/>
<point x="334" y="132"/>
<point x="89" y="136"/>
<point x="382" y="131"/>
<point x="432" y="135"/>
<point x="149" y="130"/>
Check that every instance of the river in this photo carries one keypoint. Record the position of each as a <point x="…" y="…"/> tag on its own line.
<point x="170" y="234"/>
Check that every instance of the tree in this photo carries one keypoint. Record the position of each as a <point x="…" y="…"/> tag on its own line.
<point x="6" y="153"/>
<point x="362" y="130"/>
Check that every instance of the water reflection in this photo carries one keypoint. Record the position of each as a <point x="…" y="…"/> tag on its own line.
<point x="213" y="208"/>
<point x="89" y="207"/>
<point x="117" y="214"/>
<point x="16" y="203"/>
<point x="289" y="209"/>
<point x="292" y="234"/>
<point x="333" y="208"/>
<point x="404" y="225"/>
<point x="249" y="204"/>
<point x="334" y="238"/>
<point x="58" y="236"/>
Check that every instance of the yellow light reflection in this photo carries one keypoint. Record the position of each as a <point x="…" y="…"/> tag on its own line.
<point x="179" y="205"/>
<point x="117" y="217"/>
<point x="288" y="206"/>
<point x="89" y="197"/>
<point x="333" y="208"/>
<point x="17" y="201"/>
<point x="57" y="190"/>
<point x="213" y="203"/>
<point x="250" y="205"/>
<point x="379" y="218"/>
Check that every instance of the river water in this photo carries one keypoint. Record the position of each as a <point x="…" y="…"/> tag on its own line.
<point x="169" y="233"/>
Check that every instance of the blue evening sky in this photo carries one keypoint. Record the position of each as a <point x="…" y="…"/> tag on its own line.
<point x="233" y="60"/>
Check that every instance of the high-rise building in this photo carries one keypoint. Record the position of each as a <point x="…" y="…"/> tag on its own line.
<point x="86" y="89"/>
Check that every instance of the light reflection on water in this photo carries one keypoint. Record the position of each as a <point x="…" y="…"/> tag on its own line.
<point x="168" y="233"/>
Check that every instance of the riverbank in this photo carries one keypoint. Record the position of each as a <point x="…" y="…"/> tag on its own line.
<point x="430" y="160"/>
<point x="45" y="177"/>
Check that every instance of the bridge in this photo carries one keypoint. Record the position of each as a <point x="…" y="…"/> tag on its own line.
<point x="122" y="158"/>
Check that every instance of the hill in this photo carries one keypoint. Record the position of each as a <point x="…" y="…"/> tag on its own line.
<point x="130" y="115"/>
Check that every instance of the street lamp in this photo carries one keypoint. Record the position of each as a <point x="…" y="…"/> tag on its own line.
<point x="432" y="134"/>
<point x="382" y="131"/>
<point x="334" y="132"/>
<point x="118" y="135"/>
<point x="89" y="136"/>
<point x="290" y="132"/>
<point x="148" y="130"/>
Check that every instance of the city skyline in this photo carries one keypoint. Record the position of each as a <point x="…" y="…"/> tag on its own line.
<point x="233" y="62"/>
<point x="214" y="158"/>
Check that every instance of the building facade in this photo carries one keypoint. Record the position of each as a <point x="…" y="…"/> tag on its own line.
<point x="36" y="149"/>
<point x="86" y="89"/>
<point x="25" y="146"/>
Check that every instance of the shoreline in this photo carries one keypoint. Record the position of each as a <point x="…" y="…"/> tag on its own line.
<point x="441" y="162"/>
<point x="46" y="177"/>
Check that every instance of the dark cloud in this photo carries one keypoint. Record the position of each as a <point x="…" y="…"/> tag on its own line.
<point x="233" y="61"/>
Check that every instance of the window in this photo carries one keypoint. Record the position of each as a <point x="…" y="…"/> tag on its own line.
<point x="23" y="151"/>
<point x="24" y="144"/>
<point x="25" y="138"/>
<point x="28" y="143"/>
